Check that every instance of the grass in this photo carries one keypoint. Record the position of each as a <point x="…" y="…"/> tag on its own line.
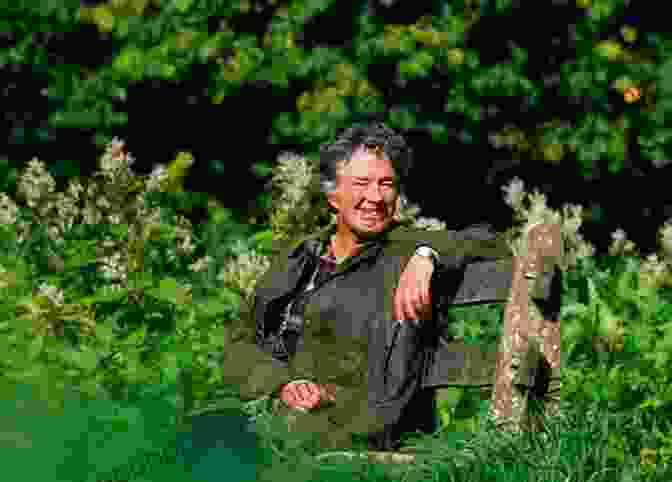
<point x="577" y="447"/>
<point x="573" y="448"/>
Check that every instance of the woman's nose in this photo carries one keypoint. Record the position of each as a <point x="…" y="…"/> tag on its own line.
<point x="373" y="193"/>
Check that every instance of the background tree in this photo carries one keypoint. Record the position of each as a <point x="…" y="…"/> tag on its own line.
<point x="571" y="97"/>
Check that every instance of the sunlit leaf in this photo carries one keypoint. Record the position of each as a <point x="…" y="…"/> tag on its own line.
<point x="35" y="348"/>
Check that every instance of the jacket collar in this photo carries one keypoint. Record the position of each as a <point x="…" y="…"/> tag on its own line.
<point x="314" y="243"/>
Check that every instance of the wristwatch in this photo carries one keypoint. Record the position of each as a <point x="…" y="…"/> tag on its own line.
<point x="428" y="252"/>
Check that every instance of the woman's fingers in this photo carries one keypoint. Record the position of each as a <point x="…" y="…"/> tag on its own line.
<point x="307" y="395"/>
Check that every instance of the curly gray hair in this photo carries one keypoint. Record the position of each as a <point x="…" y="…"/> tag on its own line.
<point x="375" y="136"/>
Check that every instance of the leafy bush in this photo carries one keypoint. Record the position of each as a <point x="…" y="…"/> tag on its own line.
<point x="106" y="300"/>
<point x="104" y="297"/>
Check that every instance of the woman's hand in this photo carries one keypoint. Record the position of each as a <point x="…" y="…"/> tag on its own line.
<point x="413" y="296"/>
<point x="305" y="395"/>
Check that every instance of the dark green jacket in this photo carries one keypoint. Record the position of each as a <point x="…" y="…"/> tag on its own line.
<point x="384" y="370"/>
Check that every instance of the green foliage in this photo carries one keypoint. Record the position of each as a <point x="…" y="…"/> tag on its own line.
<point x="67" y="325"/>
<point x="159" y="333"/>
<point x="165" y="320"/>
<point x="616" y="347"/>
<point x="168" y="40"/>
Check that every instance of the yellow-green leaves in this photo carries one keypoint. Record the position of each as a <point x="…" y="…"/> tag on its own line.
<point x="598" y="10"/>
<point x="609" y="49"/>
<point x="130" y="63"/>
<point x="629" y="33"/>
<point x="103" y="17"/>
<point x="83" y="358"/>
<point x="610" y="327"/>
<point x="177" y="170"/>
<point x="418" y="65"/>
<point x="182" y="5"/>
<point x="616" y="150"/>
<point x="554" y="152"/>
<point x="35" y="347"/>
<point x="455" y="56"/>
<point x="621" y="83"/>
<point x="171" y="291"/>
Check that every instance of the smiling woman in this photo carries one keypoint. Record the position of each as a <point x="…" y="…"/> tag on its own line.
<point x="363" y="212"/>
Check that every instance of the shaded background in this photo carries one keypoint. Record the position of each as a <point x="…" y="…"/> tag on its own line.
<point x="483" y="90"/>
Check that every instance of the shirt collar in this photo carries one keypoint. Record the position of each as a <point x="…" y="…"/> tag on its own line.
<point x="319" y="244"/>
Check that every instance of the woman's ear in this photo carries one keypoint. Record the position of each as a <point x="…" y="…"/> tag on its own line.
<point x="332" y="200"/>
<point x="397" y="210"/>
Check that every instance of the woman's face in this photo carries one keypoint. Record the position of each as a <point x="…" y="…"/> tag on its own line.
<point x="366" y="195"/>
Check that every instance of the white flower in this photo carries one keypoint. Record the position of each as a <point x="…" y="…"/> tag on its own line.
<point x="24" y="232"/>
<point x="572" y="219"/>
<point x="186" y="247"/>
<point x="665" y="233"/>
<point x="158" y="175"/>
<point x="244" y="271"/>
<point x="55" y="234"/>
<point x="293" y="175"/>
<point x="619" y="235"/>
<point x="91" y="215"/>
<point x="429" y="224"/>
<point x="54" y="294"/>
<point x="92" y="190"/>
<point x="538" y="210"/>
<point x="35" y="182"/>
<point x="620" y="244"/>
<point x="67" y="210"/>
<point x="103" y="203"/>
<point x="515" y="193"/>
<point x="201" y="264"/>
<point x="8" y="209"/>
<point x="75" y="189"/>
<point x="585" y="250"/>
<point x="113" y="268"/>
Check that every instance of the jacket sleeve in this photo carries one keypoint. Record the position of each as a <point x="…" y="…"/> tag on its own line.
<point x="483" y="263"/>
<point x="249" y="363"/>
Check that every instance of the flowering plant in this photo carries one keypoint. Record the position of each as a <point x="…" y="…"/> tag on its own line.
<point x="98" y="281"/>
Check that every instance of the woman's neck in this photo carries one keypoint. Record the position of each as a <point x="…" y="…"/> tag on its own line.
<point x="344" y="246"/>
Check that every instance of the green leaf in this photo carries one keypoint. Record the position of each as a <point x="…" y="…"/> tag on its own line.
<point x="80" y="253"/>
<point x="35" y="348"/>
<point x="86" y="358"/>
<point x="262" y="169"/>
<point x="609" y="49"/>
<point x="140" y="280"/>
<point x="183" y="5"/>
<point x="120" y="230"/>
<point x="263" y="239"/>
<point x="169" y="369"/>
<point x="169" y="290"/>
<point x="212" y="307"/>
<point x="137" y="337"/>
<point x="104" y="294"/>
<point x="130" y="62"/>
<point x="229" y="296"/>
<point x="105" y="332"/>
<point x="185" y="358"/>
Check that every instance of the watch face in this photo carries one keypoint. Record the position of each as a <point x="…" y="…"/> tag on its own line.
<point x="425" y="251"/>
